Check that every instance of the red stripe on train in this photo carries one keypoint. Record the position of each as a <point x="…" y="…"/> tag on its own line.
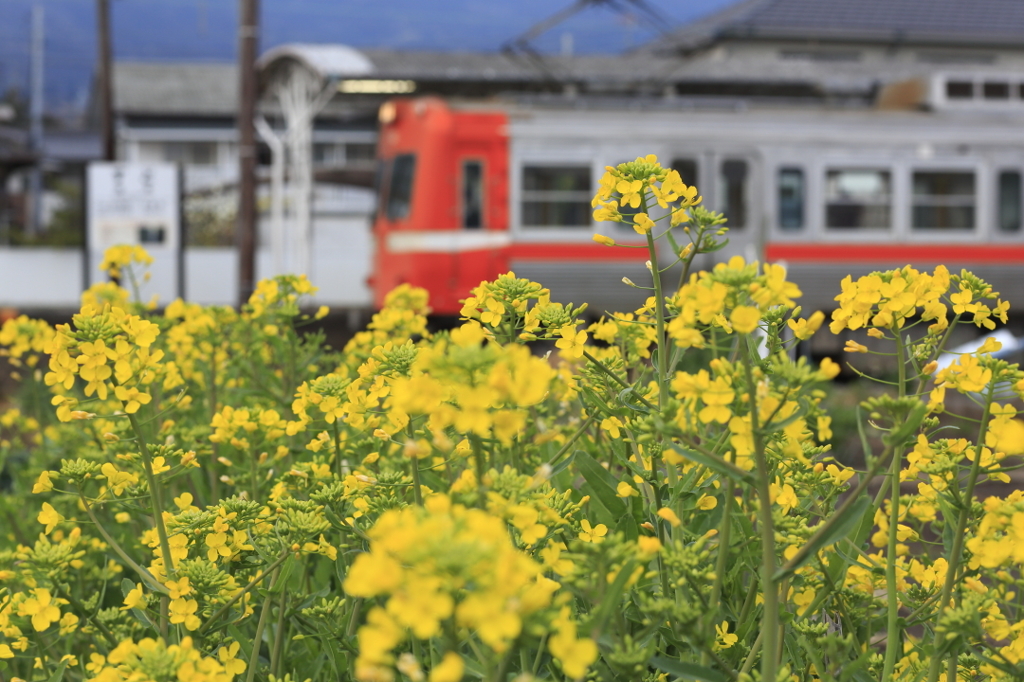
<point x="898" y="254"/>
<point x="574" y="252"/>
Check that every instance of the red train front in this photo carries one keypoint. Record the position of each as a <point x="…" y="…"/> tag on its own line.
<point x="444" y="220"/>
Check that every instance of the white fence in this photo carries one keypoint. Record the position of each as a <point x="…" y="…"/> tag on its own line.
<point x="53" y="278"/>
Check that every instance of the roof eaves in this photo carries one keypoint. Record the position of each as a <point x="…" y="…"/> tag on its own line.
<point x="871" y="36"/>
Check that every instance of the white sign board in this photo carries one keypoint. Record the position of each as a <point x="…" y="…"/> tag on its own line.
<point x="138" y="204"/>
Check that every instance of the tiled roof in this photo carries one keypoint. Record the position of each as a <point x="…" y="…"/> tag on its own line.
<point x="946" y="22"/>
<point x="176" y="88"/>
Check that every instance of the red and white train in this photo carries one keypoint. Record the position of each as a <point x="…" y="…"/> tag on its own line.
<point x="469" y="191"/>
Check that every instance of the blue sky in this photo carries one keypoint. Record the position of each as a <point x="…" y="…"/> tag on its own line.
<point x="205" y="30"/>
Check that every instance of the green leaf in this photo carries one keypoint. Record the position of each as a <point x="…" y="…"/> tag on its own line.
<point x="563" y="465"/>
<point x="338" y="659"/>
<point x="602" y="485"/>
<point x="627" y="526"/>
<point x="611" y="599"/>
<point x="284" y="573"/>
<point x="718" y="465"/>
<point x="687" y="671"/>
<point x="58" y="674"/>
<point x="717" y="247"/>
<point x="896" y="437"/>
<point x="865" y="444"/>
<point x="623" y="397"/>
<point x="836" y="528"/>
<point x="244" y="643"/>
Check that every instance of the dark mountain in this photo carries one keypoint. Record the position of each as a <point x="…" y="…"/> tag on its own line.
<point x="179" y="30"/>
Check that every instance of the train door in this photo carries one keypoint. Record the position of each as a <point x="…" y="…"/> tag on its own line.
<point x="482" y="231"/>
<point x="735" y="192"/>
<point x="730" y="182"/>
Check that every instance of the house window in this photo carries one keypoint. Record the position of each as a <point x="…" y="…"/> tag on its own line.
<point x="360" y="153"/>
<point x="1009" y="208"/>
<point x="472" y="194"/>
<point x="943" y="200"/>
<point x="995" y="90"/>
<point x="858" y="198"/>
<point x="791" y="198"/>
<point x="733" y="199"/>
<point x="959" y="89"/>
<point x="400" y="187"/>
<point x="191" y="153"/>
<point x="556" y="196"/>
<point x="327" y="154"/>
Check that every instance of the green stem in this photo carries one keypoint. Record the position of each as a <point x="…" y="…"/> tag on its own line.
<point x="134" y="283"/>
<point x="80" y="608"/>
<point x="958" y="537"/>
<point x="417" y="486"/>
<point x="337" y="448"/>
<point x="770" y="624"/>
<point x="254" y="478"/>
<point x="481" y="469"/>
<point x="155" y="496"/>
<point x="146" y="576"/>
<point x="892" y="639"/>
<point x="275" y="652"/>
<point x="723" y="553"/>
<point x="245" y="590"/>
<point x="837" y="516"/>
<point x="659" y="315"/>
<point x="211" y="470"/>
<point x="414" y="464"/>
<point x="688" y="261"/>
<point x="662" y="376"/>
<point x="615" y="377"/>
<point x="754" y="648"/>
<point x="257" y="640"/>
<point x="353" y="618"/>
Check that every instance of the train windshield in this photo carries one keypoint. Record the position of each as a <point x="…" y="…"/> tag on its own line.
<point x="399" y="199"/>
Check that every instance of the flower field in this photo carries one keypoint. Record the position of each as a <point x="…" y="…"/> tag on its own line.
<point x="207" y="495"/>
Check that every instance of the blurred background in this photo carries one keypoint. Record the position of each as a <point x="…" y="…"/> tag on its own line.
<point x="441" y="143"/>
<point x="238" y="140"/>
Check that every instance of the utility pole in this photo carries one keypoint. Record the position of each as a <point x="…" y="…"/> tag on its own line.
<point x="104" y="79"/>
<point x="245" y="229"/>
<point x="35" y="222"/>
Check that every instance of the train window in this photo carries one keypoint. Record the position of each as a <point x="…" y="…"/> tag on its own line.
<point x="943" y="200"/>
<point x="556" y="196"/>
<point x="472" y="194"/>
<point x="400" y="186"/>
<point x="995" y="90"/>
<point x="733" y="195"/>
<point x="360" y="152"/>
<point x="959" y="89"/>
<point x="687" y="169"/>
<point x="1009" y="201"/>
<point x="858" y="198"/>
<point x="791" y="198"/>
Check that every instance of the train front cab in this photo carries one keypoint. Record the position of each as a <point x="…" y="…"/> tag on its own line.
<point x="442" y="217"/>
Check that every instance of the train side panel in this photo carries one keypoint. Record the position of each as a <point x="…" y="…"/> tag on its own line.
<point x="826" y="192"/>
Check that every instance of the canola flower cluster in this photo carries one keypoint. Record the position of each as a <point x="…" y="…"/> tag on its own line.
<point x="646" y="495"/>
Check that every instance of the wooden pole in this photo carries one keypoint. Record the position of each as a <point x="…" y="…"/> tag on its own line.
<point x="245" y="236"/>
<point x="104" y="80"/>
